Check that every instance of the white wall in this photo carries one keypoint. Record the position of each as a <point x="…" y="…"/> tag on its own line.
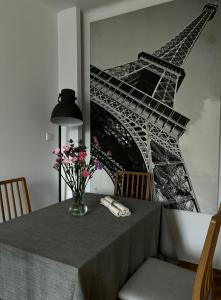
<point x="69" y="50"/>
<point x="28" y="92"/>
<point x="69" y="62"/>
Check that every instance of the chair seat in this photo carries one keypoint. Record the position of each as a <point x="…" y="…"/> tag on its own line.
<point x="159" y="280"/>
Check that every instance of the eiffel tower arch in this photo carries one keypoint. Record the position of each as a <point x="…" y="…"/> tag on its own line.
<point x="132" y="106"/>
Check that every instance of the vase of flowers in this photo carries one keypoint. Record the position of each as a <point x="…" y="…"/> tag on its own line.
<point x="76" y="173"/>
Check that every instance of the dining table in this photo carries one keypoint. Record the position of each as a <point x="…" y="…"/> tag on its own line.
<point x="52" y="255"/>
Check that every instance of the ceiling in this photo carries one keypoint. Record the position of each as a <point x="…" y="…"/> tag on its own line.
<point x="82" y="4"/>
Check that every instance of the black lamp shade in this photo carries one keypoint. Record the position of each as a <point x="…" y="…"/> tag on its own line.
<point x="66" y="112"/>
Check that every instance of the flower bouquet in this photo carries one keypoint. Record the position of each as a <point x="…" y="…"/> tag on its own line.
<point x="76" y="172"/>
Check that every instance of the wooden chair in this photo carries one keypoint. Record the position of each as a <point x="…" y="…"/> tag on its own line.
<point x="203" y="283"/>
<point x="14" y="198"/>
<point x="157" y="279"/>
<point x="131" y="184"/>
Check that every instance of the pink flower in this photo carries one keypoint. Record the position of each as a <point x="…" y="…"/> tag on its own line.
<point x="85" y="173"/>
<point x="96" y="142"/>
<point x="66" y="148"/>
<point x="82" y="155"/>
<point x="66" y="161"/>
<point x="98" y="165"/>
<point x="56" y="151"/>
<point x="109" y="153"/>
<point x="56" y="166"/>
<point x="74" y="159"/>
<point x="59" y="159"/>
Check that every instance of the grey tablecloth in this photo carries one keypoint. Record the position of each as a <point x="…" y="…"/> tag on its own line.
<point x="50" y="255"/>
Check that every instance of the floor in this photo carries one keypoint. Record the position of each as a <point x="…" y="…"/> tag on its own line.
<point x="217" y="287"/>
<point x="217" y="278"/>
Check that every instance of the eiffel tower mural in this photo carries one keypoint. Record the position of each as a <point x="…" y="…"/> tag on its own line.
<point x="132" y="111"/>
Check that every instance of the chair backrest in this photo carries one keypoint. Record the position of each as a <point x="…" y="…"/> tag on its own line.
<point x="203" y="284"/>
<point x="131" y="184"/>
<point x="14" y="198"/>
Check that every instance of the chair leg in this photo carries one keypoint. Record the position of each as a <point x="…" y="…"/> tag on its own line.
<point x="213" y="287"/>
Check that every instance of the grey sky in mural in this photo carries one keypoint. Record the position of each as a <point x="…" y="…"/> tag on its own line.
<point x="118" y="40"/>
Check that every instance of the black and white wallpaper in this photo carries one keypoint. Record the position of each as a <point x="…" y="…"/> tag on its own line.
<point x="155" y="100"/>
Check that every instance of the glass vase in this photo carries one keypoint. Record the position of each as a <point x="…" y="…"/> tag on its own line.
<point x="78" y="207"/>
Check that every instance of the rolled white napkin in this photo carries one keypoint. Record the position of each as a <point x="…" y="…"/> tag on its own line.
<point x="124" y="210"/>
<point x="112" y="208"/>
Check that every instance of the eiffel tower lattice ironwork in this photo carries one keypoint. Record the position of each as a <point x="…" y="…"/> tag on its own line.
<point x="132" y="110"/>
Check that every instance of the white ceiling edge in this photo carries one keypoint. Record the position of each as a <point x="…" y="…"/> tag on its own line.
<point x="87" y="6"/>
<point x="118" y="8"/>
